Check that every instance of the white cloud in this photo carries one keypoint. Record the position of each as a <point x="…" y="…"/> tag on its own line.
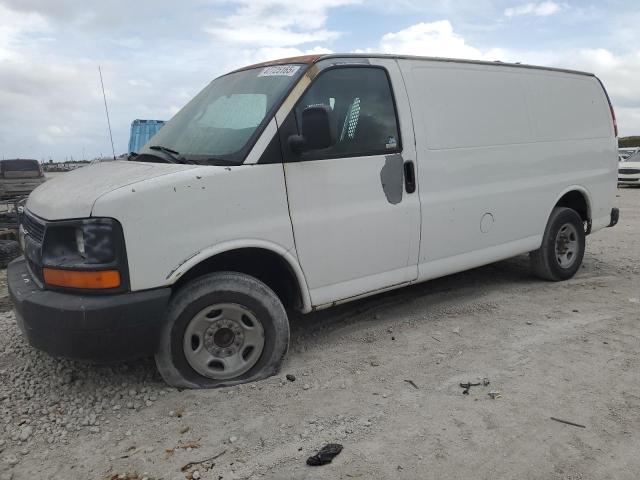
<point x="541" y="9"/>
<point x="277" y="23"/>
<point x="435" y="39"/>
<point x="15" y="28"/>
<point x="155" y="58"/>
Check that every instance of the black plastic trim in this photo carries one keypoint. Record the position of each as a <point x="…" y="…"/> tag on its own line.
<point x="96" y="327"/>
<point x="615" y="216"/>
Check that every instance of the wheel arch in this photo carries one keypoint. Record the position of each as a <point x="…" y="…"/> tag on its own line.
<point x="577" y="198"/>
<point x="270" y="263"/>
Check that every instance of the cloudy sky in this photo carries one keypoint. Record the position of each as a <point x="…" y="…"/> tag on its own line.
<point x="156" y="54"/>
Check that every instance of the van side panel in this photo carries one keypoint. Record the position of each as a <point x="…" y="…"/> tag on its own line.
<point x="497" y="146"/>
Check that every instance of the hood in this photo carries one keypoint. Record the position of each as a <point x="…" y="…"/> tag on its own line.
<point x="73" y="194"/>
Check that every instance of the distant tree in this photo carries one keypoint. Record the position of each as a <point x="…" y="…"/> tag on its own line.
<point x="628" y="142"/>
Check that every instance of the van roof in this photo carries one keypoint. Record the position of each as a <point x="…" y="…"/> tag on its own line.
<point x="310" y="59"/>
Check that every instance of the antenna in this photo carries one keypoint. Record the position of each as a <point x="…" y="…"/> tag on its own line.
<point x="113" y="150"/>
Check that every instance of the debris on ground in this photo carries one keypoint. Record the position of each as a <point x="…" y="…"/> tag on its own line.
<point x="413" y="384"/>
<point x="325" y="455"/>
<point x="568" y="422"/>
<point x="187" y="466"/>
<point x="467" y="386"/>
<point x="494" y="394"/>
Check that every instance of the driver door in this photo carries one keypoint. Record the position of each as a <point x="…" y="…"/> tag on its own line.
<point x="354" y="206"/>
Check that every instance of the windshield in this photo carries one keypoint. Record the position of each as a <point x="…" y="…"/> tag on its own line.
<point x="223" y="121"/>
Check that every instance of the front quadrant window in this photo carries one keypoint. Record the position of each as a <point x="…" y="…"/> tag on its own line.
<point x="361" y="101"/>
<point x="223" y="121"/>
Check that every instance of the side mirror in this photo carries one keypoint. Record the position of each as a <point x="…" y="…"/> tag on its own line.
<point x="318" y="130"/>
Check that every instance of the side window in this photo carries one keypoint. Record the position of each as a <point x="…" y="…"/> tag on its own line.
<point x="362" y="110"/>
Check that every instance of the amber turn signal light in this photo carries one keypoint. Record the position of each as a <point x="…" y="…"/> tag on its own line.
<point x="81" y="279"/>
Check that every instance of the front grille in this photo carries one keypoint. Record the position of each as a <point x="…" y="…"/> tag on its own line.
<point x="33" y="227"/>
<point x="629" y="171"/>
<point x="627" y="179"/>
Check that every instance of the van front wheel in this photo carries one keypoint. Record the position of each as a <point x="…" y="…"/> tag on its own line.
<point x="560" y="255"/>
<point x="222" y="329"/>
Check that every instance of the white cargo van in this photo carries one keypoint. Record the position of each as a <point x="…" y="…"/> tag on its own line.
<point x="307" y="182"/>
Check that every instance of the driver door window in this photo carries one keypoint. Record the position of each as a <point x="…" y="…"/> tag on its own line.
<point x="363" y="112"/>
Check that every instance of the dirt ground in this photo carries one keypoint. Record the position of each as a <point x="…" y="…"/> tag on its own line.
<point x="569" y="350"/>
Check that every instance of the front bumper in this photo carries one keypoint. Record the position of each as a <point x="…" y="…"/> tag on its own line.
<point x="93" y="327"/>
<point x="628" y="179"/>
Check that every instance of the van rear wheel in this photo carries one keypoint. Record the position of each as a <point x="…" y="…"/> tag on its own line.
<point x="560" y="255"/>
<point x="222" y="329"/>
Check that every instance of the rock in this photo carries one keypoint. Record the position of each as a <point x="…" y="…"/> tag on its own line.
<point x="195" y="475"/>
<point x="233" y="439"/>
<point x="306" y="386"/>
<point x="11" y="459"/>
<point x="375" y="363"/>
<point x="94" y="429"/>
<point x="529" y="323"/>
<point x="494" y="394"/>
<point x="291" y="378"/>
<point x="25" y="433"/>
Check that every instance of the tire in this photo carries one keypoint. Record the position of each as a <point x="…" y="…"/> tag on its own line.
<point x="213" y="330"/>
<point x="9" y="250"/>
<point x="565" y="230"/>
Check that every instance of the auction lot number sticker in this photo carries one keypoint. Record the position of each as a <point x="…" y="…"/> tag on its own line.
<point x="279" y="71"/>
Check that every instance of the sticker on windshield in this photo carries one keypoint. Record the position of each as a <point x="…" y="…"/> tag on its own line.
<point x="279" y="71"/>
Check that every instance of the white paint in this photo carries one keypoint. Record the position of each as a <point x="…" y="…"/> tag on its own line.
<point x="504" y="140"/>
<point x="349" y="238"/>
<point x="485" y="139"/>
<point x="263" y="142"/>
<point x="73" y="194"/>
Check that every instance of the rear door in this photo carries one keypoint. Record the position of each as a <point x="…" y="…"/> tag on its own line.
<point x="354" y="208"/>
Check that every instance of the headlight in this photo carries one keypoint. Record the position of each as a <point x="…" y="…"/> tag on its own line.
<point x="87" y="254"/>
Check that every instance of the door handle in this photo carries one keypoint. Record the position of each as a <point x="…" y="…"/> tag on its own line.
<point x="409" y="177"/>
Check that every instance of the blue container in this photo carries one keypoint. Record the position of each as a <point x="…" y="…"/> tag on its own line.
<point x="141" y="133"/>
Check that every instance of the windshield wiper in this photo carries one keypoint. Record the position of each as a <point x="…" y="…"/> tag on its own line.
<point x="172" y="154"/>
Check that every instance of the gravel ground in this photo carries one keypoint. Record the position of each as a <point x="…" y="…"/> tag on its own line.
<point x="568" y="350"/>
